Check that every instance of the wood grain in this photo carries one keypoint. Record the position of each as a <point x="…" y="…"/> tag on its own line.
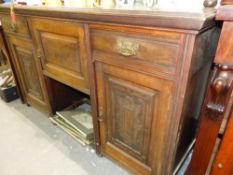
<point x="28" y="72"/>
<point x="178" y="20"/>
<point x="135" y="100"/>
<point x="158" y="51"/>
<point x="213" y="111"/>
<point x="21" y="25"/>
<point x="93" y="89"/>
<point x="140" y="69"/>
<point x="63" y="52"/>
<point x="224" y="53"/>
<point x="223" y="162"/>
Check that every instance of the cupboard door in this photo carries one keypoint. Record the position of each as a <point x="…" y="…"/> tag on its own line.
<point x="25" y="62"/>
<point x="133" y="116"/>
<point x="63" y="52"/>
<point x="21" y="28"/>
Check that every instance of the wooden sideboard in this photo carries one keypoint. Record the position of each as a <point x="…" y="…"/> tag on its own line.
<point x="213" y="150"/>
<point x="144" y="71"/>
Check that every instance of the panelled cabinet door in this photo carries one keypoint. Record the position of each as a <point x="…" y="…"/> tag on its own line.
<point x="27" y="68"/>
<point x="134" y="110"/>
<point x="61" y="45"/>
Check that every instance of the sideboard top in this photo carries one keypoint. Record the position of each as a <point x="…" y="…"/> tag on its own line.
<point x="155" y="18"/>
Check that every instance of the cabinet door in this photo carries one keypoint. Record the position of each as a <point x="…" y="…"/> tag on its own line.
<point x="28" y="71"/>
<point x="134" y="111"/>
<point x="63" y="52"/>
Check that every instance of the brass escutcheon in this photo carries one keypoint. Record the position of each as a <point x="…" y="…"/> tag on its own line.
<point x="127" y="48"/>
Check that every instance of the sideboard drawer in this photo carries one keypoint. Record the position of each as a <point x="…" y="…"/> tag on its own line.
<point x="158" y="50"/>
<point x="61" y="48"/>
<point x="21" y="27"/>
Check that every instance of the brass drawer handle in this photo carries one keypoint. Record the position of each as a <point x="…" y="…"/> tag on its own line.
<point x="127" y="48"/>
<point x="13" y="27"/>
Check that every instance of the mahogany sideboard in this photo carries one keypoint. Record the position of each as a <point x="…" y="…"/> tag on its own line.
<point x="213" y="150"/>
<point x="144" y="71"/>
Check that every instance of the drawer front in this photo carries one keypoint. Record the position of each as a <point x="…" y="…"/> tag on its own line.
<point x="146" y="50"/>
<point x="21" y="27"/>
<point x="61" y="46"/>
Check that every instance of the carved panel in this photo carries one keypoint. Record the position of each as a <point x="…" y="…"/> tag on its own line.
<point x="28" y="68"/>
<point x="134" y="113"/>
<point x="131" y="114"/>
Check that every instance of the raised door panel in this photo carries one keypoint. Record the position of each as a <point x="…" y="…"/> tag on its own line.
<point x="133" y="110"/>
<point x="27" y="69"/>
<point x="63" y="52"/>
<point x="131" y="114"/>
<point x="69" y="58"/>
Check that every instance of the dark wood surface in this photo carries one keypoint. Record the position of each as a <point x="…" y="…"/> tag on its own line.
<point x="223" y="163"/>
<point x="224" y="53"/>
<point x="9" y="62"/>
<point x="178" y="20"/>
<point x="119" y="94"/>
<point x="142" y="79"/>
<point x="61" y="96"/>
<point x="5" y="60"/>
<point x="93" y="90"/>
<point x="112" y="42"/>
<point x="22" y="26"/>
<point x="63" y="52"/>
<point x="26" y="66"/>
<point x="129" y="117"/>
<point x="213" y="111"/>
<point x="217" y="106"/>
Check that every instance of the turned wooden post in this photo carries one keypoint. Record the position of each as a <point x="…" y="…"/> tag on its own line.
<point x="218" y="103"/>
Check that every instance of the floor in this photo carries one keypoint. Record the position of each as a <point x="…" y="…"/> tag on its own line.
<point x="31" y="145"/>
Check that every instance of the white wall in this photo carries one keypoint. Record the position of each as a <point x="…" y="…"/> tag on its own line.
<point x="183" y="5"/>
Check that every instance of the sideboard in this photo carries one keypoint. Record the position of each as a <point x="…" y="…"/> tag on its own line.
<point x="144" y="71"/>
<point x="214" y="157"/>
